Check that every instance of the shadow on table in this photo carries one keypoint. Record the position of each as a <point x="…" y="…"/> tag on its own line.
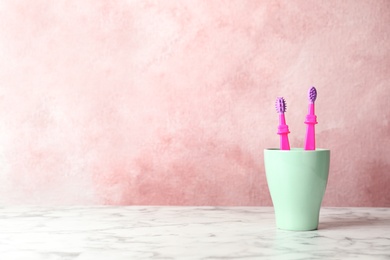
<point x="359" y="221"/>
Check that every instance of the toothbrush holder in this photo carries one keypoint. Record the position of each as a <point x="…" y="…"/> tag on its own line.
<point x="297" y="181"/>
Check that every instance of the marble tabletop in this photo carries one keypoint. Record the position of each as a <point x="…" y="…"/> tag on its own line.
<point x="135" y="232"/>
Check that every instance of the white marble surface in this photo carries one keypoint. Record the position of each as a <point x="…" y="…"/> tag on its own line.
<point x="188" y="233"/>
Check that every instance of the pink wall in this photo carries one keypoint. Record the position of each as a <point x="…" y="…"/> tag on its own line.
<point x="172" y="102"/>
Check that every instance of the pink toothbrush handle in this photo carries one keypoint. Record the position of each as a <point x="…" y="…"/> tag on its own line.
<point x="284" y="143"/>
<point x="283" y="132"/>
<point x="311" y="120"/>
<point x="310" y="138"/>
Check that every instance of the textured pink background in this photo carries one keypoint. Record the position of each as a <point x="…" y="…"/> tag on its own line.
<point x="172" y="102"/>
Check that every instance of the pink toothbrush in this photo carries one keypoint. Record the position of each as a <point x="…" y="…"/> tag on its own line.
<point x="311" y="120"/>
<point x="283" y="128"/>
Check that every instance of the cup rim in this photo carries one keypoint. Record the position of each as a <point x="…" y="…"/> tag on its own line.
<point x="297" y="150"/>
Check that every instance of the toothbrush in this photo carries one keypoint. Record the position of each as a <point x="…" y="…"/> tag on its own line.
<point x="283" y="128"/>
<point x="311" y="120"/>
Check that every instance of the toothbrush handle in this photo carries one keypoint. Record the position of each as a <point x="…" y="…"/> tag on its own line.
<point x="284" y="143"/>
<point x="283" y="132"/>
<point x="310" y="143"/>
<point x="310" y="138"/>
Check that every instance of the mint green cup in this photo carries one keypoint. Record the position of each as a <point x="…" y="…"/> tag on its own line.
<point x="297" y="181"/>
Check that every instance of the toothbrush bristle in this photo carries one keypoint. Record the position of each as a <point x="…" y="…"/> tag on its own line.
<point x="280" y="105"/>
<point x="312" y="94"/>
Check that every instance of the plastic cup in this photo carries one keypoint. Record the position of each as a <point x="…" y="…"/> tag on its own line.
<point x="297" y="181"/>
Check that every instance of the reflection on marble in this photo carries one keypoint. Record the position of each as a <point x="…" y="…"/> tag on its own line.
<point x="188" y="233"/>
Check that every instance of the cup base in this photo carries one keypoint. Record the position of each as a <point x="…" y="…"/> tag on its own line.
<point x="297" y="230"/>
<point x="290" y="228"/>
